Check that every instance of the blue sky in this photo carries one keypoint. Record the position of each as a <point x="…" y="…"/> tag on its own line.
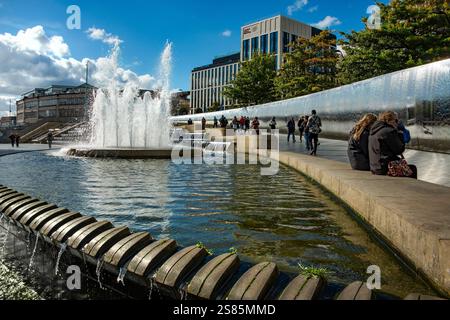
<point x="199" y="30"/>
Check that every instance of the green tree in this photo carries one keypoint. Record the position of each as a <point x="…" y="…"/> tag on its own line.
<point x="309" y="68"/>
<point x="254" y="84"/>
<point x="412" y="33"/>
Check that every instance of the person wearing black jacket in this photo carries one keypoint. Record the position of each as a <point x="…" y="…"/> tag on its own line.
<point x="386" y="144"/>
<point x="358" y="144"/>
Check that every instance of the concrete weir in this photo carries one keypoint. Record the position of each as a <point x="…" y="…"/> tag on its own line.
<point x="121" y="153"/>
<point x="139" y="261"/>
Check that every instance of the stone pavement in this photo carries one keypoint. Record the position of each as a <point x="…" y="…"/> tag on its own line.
<point x="433" y="167"/>
<point x="6" y="149"/>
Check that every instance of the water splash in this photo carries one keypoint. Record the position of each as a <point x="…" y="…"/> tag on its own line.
<point x="98" y="272"/>
<point x="121" y="276"/>
<point x="60" y="253"/>
<point x="30" y="265"/>
<point x="123" y="117"/>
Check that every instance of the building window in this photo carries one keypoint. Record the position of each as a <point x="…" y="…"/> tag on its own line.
<point x="255" y="45"/>
<point x="294" y="38"/>
<point x="226" y="75"/>
<point x="234" y="71"/>
<point x="286" y="41"/>
<point x="274" y="42"/>
<point x="265" y="44"/>
<point x="246" y="49"/>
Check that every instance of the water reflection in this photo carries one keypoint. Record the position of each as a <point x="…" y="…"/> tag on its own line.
<point x="281" y="218"/>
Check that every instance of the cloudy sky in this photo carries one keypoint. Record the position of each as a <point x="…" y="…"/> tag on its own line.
<point x="38" y="49"/>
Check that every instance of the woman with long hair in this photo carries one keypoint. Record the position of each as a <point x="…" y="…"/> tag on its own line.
<point x="358" y="144"/>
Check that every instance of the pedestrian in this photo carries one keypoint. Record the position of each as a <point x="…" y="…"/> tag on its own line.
<point x="247" y="123"/>
<point x="17" y="140"/>
<point x="223" y="122"/>
<point x="190" y="122"/>
<point x="203" y="124"/>
<point x="235" y="123"/>
<point x="301" y="127"/>
<point x="306" y="134"/>
<point x="12" y="137"/>
<point x="273" y="124"/>
<point x="50" y="139"/>
<point x="386" y="147"/>
<point x="255" y="125"/>
<point x="242" y="123"/>
<point x="315" y="128"/>
<point x="291" y="129"/>
<point x="216" y="122"/>
<point x="358" y="144"/>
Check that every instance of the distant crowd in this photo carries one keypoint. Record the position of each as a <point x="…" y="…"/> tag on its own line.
<point x="376" y="143"/>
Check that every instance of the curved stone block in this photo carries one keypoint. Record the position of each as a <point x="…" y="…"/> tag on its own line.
<point x="126" y="248"/>
<point x="152" y="256"/>
<point x="6" y="192"/>
<point x="255" y="283"/>
<point x="67" y="230"/>
<point x="13" y="208"/>
<point x="20" y="212"/>
<point x="180" y="265"/>
<point x="86" y="234"/>
<point x="40" y="221"/>
<point x="10" y="196"/>
<point x="7" y="204"/>
<point x="207" y="282"/>
<point x="302" y="288"/>
<point x="104" y="241"/>
<point x="355" y="291"/>
<point x="28" y="218"/>
<point x="417" y="296"/>
<point x="51" y="226"/>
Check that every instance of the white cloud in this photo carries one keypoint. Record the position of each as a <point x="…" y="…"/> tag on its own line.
<point x="102" y="35"/>
<point x="227" y="33"/>
<point x="296" y="6"/>
<point x="31" y="59"/>
<point x="313" y="9"/>
<point x="327" y="22"/>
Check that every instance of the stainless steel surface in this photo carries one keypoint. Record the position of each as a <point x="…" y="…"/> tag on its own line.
<point x="420" y="95"/>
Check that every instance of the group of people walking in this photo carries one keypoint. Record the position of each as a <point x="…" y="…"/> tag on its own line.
<point x="15" y="140"/>
<point x="309" y="127"/>
<point x="377" y="144"/>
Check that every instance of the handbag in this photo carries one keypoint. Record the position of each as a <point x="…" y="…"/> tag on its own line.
<point x="399" y="168"/>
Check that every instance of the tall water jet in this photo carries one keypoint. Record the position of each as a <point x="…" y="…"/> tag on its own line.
<point x="124" y="118"/>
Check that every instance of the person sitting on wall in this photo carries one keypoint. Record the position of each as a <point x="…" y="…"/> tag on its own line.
<point x="223" y="122"/>
<point x="190" y="122"/>
<point x="203" y="124"/>
<point x="358" y="144"/>
<point x="247" y="123"/>
<point x="242" y="123"/>
<point x="386" y="147"/>
<point x="216" y="122"/>
<point x="273" y="124"/>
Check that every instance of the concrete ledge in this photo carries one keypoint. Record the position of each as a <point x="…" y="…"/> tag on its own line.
<point x="413" y="216"/>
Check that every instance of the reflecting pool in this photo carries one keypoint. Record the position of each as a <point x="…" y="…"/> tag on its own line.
<point x="284" y="218"/>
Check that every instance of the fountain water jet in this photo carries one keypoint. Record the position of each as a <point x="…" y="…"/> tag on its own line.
<point x="126" y="123"/>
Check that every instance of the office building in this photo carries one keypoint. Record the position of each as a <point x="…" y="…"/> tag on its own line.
<point x="55" y="103"/>
<point x="208" y="83"/>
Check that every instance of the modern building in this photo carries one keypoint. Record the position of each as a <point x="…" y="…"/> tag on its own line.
<point x="8" y="121"/>
<point x="273" y="36"/>
<point x="269" y="36"/>
<point x="208" y="82"/>
<point x="55" y="103"/>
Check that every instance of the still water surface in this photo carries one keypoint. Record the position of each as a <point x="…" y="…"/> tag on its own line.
<point x="284" y="218"/>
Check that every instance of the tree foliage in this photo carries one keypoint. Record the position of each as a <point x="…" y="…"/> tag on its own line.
<point x="254" y="84"/>
<point x="413" y="32"/>
<point x="309" y="68"/>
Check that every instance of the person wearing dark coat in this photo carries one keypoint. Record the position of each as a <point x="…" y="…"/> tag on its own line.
<point x="13" y="140"/>
<point x="358" y="144"/>
<point x="291" y="129"/>
<point x="386" y="144"/>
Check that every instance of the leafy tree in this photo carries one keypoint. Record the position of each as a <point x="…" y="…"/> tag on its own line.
<point x="254" y="84"/>
<point x="309" y="68"/>
<point x="215" y="107"/>
<point x="413" y="32"/>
